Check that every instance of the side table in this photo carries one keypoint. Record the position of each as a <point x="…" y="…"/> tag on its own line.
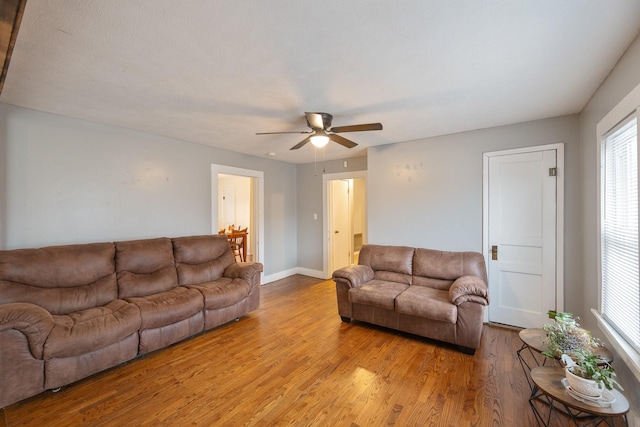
<point x="550" y="392"/>
<point x="533" y="344"/>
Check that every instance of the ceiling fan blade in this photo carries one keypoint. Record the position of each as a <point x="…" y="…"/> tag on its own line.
<point x="277" y="133"/>
<point x="301" y="143"/>
<point x="342" y="141"/>
<point x="357" y="128"/>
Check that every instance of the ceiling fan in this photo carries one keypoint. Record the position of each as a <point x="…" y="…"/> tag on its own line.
<point x="321" y="131"/>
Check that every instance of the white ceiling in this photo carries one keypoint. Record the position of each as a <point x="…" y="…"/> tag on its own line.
<point x="217" y="72"/>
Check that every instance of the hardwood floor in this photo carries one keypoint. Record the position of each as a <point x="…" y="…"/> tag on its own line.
<point x="294" y="363"/>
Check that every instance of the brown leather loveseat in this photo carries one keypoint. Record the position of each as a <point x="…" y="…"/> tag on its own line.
<point x="434" y="294"/>
<point x="67" y="312"/>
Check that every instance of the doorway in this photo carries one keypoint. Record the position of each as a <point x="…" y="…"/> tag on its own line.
<point x="523" y="203"/>
<point x="235" y="205"/>
<point x="237" y="198"/>
<point x="344" y="219"/>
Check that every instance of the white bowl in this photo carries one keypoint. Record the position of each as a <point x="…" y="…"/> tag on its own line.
<point x="585" y="387"/>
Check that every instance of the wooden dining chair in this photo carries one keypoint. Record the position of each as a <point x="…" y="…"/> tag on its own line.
<point x="238" y="242"/>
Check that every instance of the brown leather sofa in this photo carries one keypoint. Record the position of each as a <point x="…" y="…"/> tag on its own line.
<point x="434" y="294"/>
<point x="67" y="312"/>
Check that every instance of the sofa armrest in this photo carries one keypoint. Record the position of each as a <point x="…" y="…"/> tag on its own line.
<point x="353" y="275"/>
<point x="469" y="288"/>
<point x="32" y="320"/>
<point x="245" y="270"/>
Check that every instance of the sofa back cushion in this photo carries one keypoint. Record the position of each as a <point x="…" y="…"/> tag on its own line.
<point x="390" y="263"/>
<point x="145" y="267"/>
<point x="201" y="259"/>
<point x="61" y="279"/>
<point x="439" y="269"/>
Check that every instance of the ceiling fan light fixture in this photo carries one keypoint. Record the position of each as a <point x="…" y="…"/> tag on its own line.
<point x="320" y="139"/>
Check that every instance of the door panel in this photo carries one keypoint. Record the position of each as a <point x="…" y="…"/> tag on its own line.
<point x="522" y="224"/>
<point x="339" y="227"/>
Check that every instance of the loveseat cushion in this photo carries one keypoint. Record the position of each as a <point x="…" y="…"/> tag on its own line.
<point x="145" y="267"/>
<point x="428" y="303"/>
<point x="165" y="308"/>
<point x="378" y="293"/>
<point x="87" y="330"/>
<point x="439" y="269"/>
<point x="223" y="292"/>
<point x="389" y="263"/>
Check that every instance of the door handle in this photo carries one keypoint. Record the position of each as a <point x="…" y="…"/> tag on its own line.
<point x="336" y="232"/>
<point x="494" y="252"/>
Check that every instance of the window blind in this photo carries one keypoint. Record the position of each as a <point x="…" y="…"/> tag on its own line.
<point x="620" y="298"/>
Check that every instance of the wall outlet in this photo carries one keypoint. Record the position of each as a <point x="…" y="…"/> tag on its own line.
<point x="315" y="216"/>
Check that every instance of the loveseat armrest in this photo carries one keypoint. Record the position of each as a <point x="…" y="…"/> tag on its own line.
<point x="249" y="271"/>
<point x="353" y="275"/>
<point x="32" y="320"/>
<point x="469" y="288"/>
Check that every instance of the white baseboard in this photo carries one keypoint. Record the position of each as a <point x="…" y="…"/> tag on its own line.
<point x="286" y="273"/>
<point x="311" y="273"/>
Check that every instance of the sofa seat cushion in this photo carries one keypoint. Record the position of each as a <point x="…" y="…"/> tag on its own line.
<point x="428" y="303"/>
<point x="379" y="293"/>
<point x="169" y="307"/>
<point x="86" y="331"/>
<point x="223" y="292"/>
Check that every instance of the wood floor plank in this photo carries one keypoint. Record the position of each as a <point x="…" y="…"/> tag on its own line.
<point x="293" y="362"/>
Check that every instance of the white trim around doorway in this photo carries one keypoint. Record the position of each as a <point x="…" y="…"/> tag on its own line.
<point x="486" y="250"/>
<point x="259" y="202"/>
<point x="325" y="216"/>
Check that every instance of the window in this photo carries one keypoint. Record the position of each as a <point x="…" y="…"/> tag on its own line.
<point x="620" y="271"/>
<point x="618" y="312"/>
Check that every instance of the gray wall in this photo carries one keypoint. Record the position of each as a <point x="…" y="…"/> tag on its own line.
<point x="66" y="180"/>
<point x="428" y="193"/>
<point x="622" y="79"/>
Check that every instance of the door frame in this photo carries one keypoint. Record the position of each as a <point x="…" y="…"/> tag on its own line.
<point x="325" y="209"/>
<point x="258" y="202"/>
<point x="559" y="147"/>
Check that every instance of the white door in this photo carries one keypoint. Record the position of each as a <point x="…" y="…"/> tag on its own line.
<point x="339" y="224"/>
<point x="522" y="254"/>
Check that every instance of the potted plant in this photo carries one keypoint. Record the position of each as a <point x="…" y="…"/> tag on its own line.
<point x="588" y="374"/>
<point x="565" y="336"/>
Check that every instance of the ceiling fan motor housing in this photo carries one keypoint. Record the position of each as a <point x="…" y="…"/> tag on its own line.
<point x="319" y="120"/>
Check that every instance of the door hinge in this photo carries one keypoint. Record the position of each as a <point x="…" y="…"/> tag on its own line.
<point x="553" y="171"/>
